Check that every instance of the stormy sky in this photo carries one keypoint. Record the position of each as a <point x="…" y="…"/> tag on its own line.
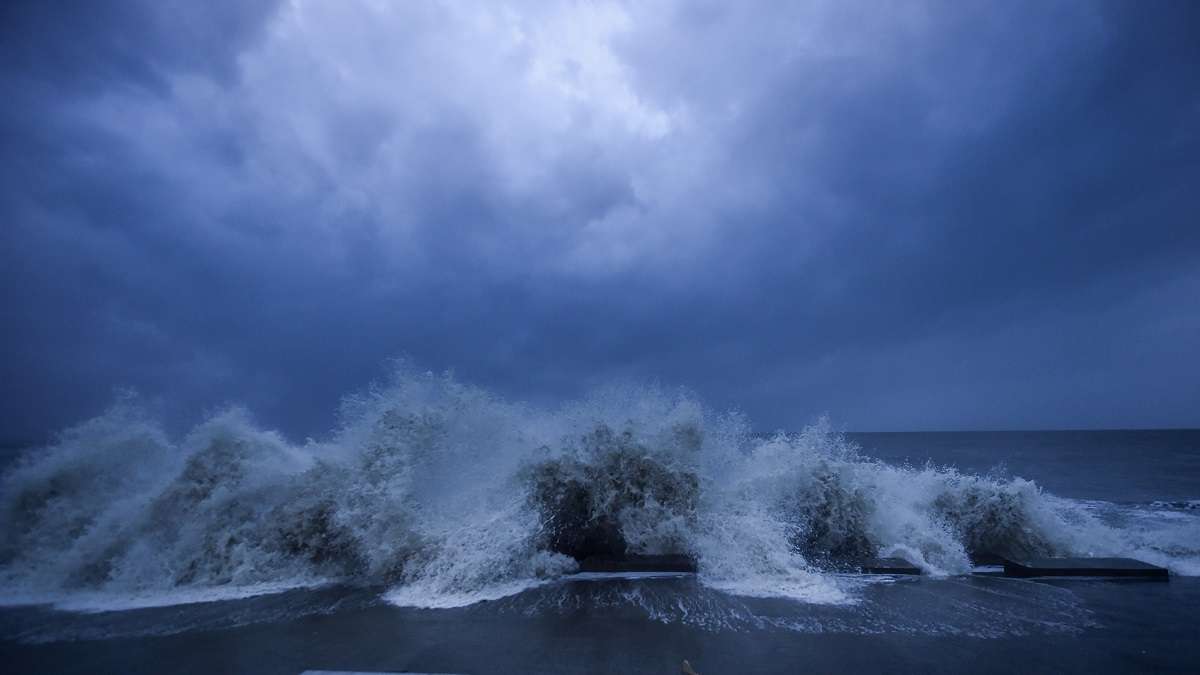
<point x="910" y="215"/>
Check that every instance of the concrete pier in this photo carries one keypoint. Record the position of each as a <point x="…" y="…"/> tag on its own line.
<point x="638" y="563"/>
<point x="1083" y="567"/>
<point x="1029" y="567"/>
<point x="888" y="566"/>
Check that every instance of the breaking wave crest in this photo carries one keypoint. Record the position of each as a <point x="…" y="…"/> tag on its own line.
<point x="447" y="495"/>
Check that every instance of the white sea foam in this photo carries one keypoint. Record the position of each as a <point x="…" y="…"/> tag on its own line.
<point x="113" y="601"/>
<point x="449" y="495"/>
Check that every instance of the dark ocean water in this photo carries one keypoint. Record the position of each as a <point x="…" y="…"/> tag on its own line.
<point x="1144" y="485"/>
<point x="1121" y="466"/>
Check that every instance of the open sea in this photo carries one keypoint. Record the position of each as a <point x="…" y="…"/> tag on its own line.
<point x="437" y="528"/>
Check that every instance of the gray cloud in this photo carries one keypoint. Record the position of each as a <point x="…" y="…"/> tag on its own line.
<point x="936" y="215"/>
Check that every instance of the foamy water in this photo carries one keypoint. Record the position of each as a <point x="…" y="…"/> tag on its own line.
<point x="448" y="495"/>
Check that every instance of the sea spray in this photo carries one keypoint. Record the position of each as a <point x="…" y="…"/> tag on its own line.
<point x="447" y="494"/>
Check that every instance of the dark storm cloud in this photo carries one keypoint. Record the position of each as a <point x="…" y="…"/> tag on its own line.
<point x="88" y="46"/>
<point x="924" y="216"/>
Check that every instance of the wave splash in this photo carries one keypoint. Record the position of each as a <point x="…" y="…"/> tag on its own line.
<point x="448" y="495"/>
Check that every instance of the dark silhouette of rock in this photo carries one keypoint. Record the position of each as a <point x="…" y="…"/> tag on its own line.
<point x="581" y="497"/>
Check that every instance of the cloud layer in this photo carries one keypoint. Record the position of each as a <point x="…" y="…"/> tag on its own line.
<point x="921" y="215"/>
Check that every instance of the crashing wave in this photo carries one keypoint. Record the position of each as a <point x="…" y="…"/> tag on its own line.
<point x="448" y="495"/>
